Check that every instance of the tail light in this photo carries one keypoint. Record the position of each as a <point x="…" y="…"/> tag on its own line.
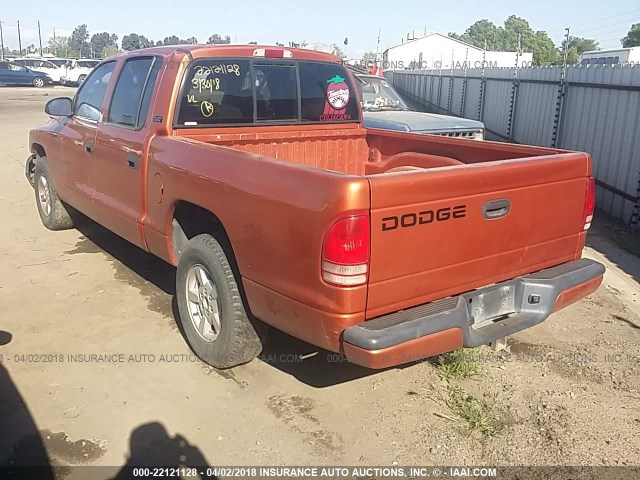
<point x="345" y="254"/>
<point x="589" y="203"/>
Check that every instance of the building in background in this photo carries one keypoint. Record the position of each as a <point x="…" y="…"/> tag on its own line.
<point x="611" y="56"/>
<point x="434" y="50"/>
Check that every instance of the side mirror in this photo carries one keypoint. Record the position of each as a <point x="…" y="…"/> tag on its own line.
<point x="59" y="107"/>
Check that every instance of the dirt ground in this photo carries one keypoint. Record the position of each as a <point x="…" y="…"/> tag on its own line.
<point x="561" y="396"/>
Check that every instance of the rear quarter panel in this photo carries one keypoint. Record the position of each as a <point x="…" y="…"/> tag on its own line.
<point x="276" y="215"/>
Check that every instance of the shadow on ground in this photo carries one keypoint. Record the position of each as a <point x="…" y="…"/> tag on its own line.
<point x="27" y="452"/>
<point x="613" y="239"/>
<point x="156" y="281"/>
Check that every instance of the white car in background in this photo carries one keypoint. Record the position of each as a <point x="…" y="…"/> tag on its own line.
<point x="58" y="62"/>
<point x="76" y="70"/>
<point x="41" y="65"/>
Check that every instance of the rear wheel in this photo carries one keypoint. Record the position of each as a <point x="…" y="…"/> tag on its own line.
<point x="38" y="82"/>
<point x="212" y="312"/>
<point x="53" y="213"/>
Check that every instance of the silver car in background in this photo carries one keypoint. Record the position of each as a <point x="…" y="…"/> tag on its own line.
<point x="384" y="108"/>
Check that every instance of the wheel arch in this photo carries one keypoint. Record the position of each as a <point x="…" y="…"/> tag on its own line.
<point x="38" y="149"/>
<point x="189" y="220"/>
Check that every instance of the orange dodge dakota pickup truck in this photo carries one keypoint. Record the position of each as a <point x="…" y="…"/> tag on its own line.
<point x="248" y="168"/>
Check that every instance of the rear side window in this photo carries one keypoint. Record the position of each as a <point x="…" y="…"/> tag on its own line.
<point x="130" y="101"/>
<point x="327" y="94"/>
<point x="230" y="91"/>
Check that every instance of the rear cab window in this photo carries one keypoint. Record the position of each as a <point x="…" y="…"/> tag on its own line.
<point x="225" y="92"/>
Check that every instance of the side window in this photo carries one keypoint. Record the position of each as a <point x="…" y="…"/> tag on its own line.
<point x="148" y="92"/>
<point x="276" y="92"/>
<point x="4" y="66"/>
<point x="326" y="93"/>
<point x="216" y="91"/>
<point x="91" y="94"/>
<point x="135" y="84"/>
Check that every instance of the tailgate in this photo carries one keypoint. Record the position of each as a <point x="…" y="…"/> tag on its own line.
<point x="444" y="231"/>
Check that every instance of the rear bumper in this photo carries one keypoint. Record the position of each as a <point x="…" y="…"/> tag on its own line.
<point x="471" y="319"/>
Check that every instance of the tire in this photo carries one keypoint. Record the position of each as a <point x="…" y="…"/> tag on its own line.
<point x="38" y="82"/>
<point x="81" y="79"/>
<point x="53" y="213"/>
<point x="226" y="338"/>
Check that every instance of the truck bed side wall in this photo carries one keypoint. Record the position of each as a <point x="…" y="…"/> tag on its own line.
<point x="276" y="215"/>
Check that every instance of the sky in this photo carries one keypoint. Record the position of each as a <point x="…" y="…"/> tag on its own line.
<point x="270" y="21"/>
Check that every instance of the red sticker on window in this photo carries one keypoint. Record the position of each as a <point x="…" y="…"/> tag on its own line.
<point x="337" y="100"/>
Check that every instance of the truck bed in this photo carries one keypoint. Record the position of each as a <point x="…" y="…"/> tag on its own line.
<point x="430" y="235"/>
<point x="353" y="150"/>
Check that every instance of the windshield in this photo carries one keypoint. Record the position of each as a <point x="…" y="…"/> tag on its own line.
<point x="376" y="94"/>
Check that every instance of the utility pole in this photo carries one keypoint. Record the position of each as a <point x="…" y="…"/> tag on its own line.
<point x="40" y="37"/>
<point x="484" y="57"/>
<point x="19" y="39"/>
<point x="1" y="43"/>
<point x="378" y="47"/>
<point x="566" y="50"/>
<point x="557" y="119"/>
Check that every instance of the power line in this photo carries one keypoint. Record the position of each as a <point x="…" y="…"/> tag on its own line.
<point x="601" y="42"/>
<point x="610" y="31"/>
<point x="595" y="29"/>
<point x="605" y="18"/>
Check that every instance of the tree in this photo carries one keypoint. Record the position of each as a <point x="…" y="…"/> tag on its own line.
<point x="174" y="40"/>
<point x="336" y="50"/>
<point x="577" y="46"/>
<point x="60" y="47"/>
<point x="543" y="48"/>
<point x="481" y="31"/>
<point x="100" y="41"/>
<point x="192" y="40"/>
<point x="632" y="39"/>
<point x="216" y="39"/>
<point x="253" y="43"/>
<point x="368" y="59"/>
<point x="515" y="32"/>
<point x="79" y="41"/>
<point x="280" y="44"/>
<point x="109" y="50"/>
<point x="133" y="41"/>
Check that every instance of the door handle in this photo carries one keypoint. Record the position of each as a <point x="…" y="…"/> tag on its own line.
<point x="88" y="147"/>
<point x="132" y="161"/>
<point x="496" y="208"/>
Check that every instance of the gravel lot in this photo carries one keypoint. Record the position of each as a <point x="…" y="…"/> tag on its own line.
<point x="558" y="397"/>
